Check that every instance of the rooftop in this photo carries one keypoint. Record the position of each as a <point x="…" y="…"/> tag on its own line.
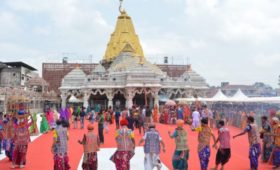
<point x="37" y="81"/>
<point x="236" y="87"/>
<point x="20" y="64"/>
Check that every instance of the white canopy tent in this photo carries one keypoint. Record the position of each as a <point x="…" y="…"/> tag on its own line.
<point x="218" y="97"/>
<point x="239" y="96"/>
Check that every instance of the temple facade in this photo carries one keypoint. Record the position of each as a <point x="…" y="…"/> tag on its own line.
<point x="124" y="77"/>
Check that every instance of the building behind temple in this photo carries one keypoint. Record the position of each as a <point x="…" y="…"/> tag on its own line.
<point x="15" y="74"/>
<point x="257" y="89"/>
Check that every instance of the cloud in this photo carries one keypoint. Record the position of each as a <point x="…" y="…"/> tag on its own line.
<point x="164" y="44"/>
<point x="64" y="25"/>
<point x="173" y="2"/>
<point x="38" y="31"/>
<point x="44" y="31"/>
<point x="10" y="24"/>
<point x="237" y="34"/>
<point x="10" y="50"/>
<point x="267" y="61"/>
<point x="13" y="52"/>
<point x="254" y="21"/>
<point x="197" y="44"/>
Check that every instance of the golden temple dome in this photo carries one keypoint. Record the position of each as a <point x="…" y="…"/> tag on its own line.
<point x="123" y="39"/>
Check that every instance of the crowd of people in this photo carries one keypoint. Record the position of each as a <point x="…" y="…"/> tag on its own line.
<point x="269" y="133"/>
<point x="16" y="131"/>
<point x="169" y="114"/>
<point x="223" y="116"/>
<point x="15" y="137"/>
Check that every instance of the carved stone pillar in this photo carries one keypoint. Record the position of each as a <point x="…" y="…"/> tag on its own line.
<point x="129" y="97"/>
<point x="156" y="100"/>
<point x="85" y="99"/>
<point x="151" y="102"/>
<point x="110" y="96"/>
<point x="204" y="93"/>
<point x="63" y="96"/>
<point x="110" y="102"/>
<point x="156" y="97"/>
<point x="189" y="93"/>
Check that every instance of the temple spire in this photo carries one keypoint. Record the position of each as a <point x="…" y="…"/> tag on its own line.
<point x="123" y="39"/>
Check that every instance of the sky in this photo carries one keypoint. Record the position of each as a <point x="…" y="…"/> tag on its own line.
<point x="225" y="40"/>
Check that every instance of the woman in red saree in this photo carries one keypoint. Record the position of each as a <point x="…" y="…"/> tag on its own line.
<point x="155" y="113"/>
<point x="166" y="115"/>
<point x="187" y="113"/>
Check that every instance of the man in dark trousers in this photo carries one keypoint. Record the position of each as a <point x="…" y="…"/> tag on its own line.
<point x="82" y="117"/>
<point x="130" y="120"/>
<point x="148" y="112"/>
<point x="117" y="118"/>
<point x="148" y="115"/>
<point x="101" y="126"/>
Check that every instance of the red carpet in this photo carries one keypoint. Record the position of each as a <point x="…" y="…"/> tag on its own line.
<point x="40" y="157"/>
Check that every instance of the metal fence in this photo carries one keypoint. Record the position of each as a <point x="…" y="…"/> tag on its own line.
<point x="236" y="114"/>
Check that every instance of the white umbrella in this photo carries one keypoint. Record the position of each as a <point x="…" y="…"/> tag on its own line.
<point x="185" y="100"/>
<point x="74" y="99"/>
<point x="170" y="103"/>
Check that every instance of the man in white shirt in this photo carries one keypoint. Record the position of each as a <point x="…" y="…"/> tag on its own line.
<point x="195" y="119"/>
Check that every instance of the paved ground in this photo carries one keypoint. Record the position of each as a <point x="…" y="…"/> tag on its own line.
<point x="136" y="162"/>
